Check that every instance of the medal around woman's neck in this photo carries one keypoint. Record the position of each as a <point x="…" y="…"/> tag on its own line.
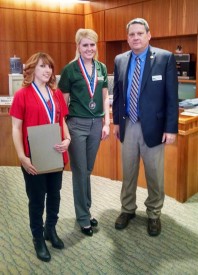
<point x="50" y="113"/>
<point x="90" y="81"/>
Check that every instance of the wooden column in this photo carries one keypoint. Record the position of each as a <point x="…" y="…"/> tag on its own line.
<point x="187" y="168"/>
<point x="8" y="156"/>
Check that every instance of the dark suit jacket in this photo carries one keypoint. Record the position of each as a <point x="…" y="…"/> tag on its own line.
<point x="158" y="101"/>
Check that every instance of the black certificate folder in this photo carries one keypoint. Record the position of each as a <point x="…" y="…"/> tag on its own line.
<point x="42" y="139"/>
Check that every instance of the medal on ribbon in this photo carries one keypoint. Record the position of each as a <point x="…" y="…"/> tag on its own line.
<point x="50" y="113"/>
<point x="92" y="105"/>
<point x="90" y="81"/>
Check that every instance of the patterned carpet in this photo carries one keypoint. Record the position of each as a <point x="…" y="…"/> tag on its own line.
<point x="109" y="251"/>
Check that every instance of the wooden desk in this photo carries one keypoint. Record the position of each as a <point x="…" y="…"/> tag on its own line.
<point x="187" y="158"/>
<point x="181" y="162"/>
<point x="181" y="158"/>
<point x="8" y="156"/>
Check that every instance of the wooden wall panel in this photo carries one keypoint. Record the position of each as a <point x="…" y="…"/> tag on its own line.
<point x="30" y="21"/>
<point x="67" y="52"/>
<point x="54" y="6"/>
<point x="125" y="46"/>
<point x="43" y="26"/>
<point x="197" y="64"/>
<point x="6" y="25"/>
<point x="161" y="16"/>
<point x="102" y="52"/>
<point x="69" y="24"/>
<point x="117" y="19"/>
<point x="8" y="156"/>
<point x="24" y="32"/>
<point x="110" y="25"/>
<point x="192" y="176"/>
<point x="94" y="6"/>
<point x="136" y="1"/>
<point x="53" y="49"/>
<point x="105" y="164"/>
<point x="37" y="25"/>
<point x="13" y="4"/>
<point x="188" y="43"/>
<point x="112" y="50"/>
<point x="187" y="17"/>
<point x="69" y="8"/>
<point x="12" y="25"/>
<point x="170" y="169"/>
<point x="110" y="4"/>
<point x="44" y="5"/>
<point x="53" y="27"/>
<point x="95" y="21"/>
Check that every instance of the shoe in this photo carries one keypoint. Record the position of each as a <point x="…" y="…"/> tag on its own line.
<point x="154" y="227"/>
<point x="123" y="220"/>
<point x="94" y="222"/>
<point x="41" y="249"/>
<point x="51" y="235"/>
<point x="87" y="231"/>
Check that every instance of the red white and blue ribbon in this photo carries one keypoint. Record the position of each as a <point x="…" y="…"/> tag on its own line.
<point x="91" y="82"/>
<point x="50" y="112"/>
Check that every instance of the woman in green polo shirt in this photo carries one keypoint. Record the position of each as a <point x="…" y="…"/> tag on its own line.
<point x="84" y="85"/>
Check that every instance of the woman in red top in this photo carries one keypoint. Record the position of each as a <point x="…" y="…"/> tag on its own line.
<point x="39" y="103"/>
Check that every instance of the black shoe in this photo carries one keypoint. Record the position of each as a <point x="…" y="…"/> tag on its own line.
<point x="154" y="227"/>
<point x="87" y="231"/>
<point x="94" y="222"/>
<point x="41" y="249"/>
<point x="123" y="220"/>
<point x="51" y="235"/>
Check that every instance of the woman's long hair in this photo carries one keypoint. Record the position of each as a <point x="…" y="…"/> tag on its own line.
<point x="28" y="71"/>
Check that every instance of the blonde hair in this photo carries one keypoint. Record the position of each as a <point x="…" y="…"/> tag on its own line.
<point x="28" y="71"/>
<point x="85" y="33"/>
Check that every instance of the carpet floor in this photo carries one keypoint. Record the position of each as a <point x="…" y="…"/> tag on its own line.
<point x="130" y="251"/>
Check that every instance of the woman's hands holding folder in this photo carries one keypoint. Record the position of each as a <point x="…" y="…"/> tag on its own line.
<point x="27" y="165"/>
<point x="63" y="146"/>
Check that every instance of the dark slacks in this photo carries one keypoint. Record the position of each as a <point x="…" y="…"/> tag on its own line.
<point x="43" y="189"/>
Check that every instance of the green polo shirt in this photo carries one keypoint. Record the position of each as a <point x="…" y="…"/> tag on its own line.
<point x="73" y="82"/>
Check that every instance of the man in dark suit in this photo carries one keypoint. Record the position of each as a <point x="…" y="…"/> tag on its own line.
<point x="145" y="116"/>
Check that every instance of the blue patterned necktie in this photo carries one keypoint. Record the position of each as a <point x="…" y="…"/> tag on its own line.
<point x="133" y="101"/>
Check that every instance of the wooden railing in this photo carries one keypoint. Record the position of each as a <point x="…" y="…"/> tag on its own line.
<point x="181" y="158"/>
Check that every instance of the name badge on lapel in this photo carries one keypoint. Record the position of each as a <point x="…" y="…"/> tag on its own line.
<point x="100" y="77"/>
<point x="156" y="77"/>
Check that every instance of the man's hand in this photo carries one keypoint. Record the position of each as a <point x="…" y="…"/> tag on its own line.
<point x="168" y="138"/>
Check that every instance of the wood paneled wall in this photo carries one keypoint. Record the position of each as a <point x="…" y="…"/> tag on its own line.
<point x="165" y="17"/>
<point x="28" y="26"/>
<point x="172" y="23"/>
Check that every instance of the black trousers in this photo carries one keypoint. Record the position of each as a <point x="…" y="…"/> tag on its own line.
<point x="43" y="189"/>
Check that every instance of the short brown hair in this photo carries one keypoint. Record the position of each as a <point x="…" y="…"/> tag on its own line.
<point x="140" y="21"/>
